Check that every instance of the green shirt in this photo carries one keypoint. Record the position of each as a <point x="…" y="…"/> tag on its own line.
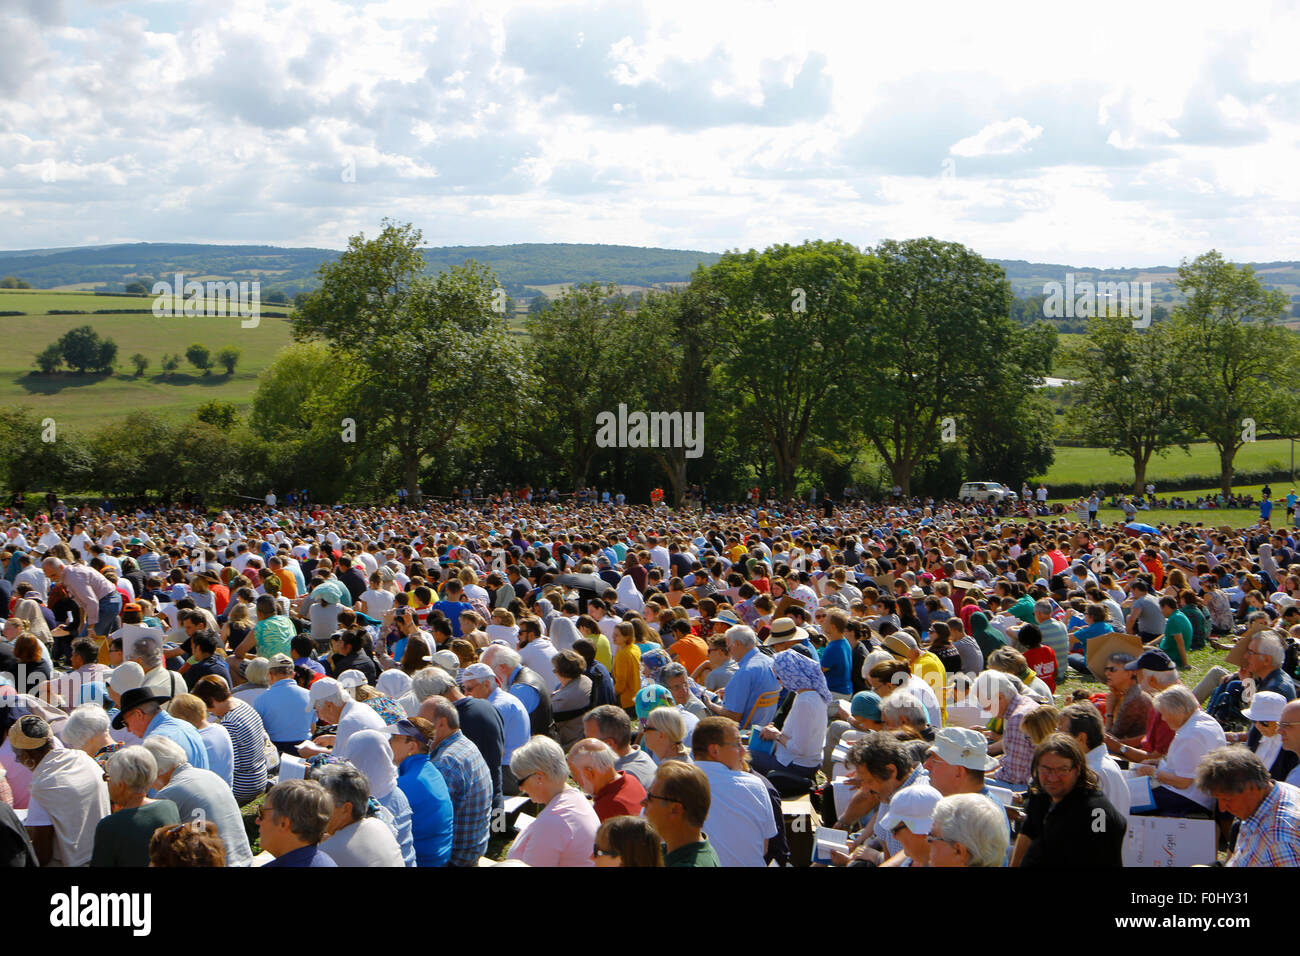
<point x="1177" y="623"/>
<point x="122" y="838"/>
<point x="1023" y="609"/>
<point x="275" y="636"/>
<point x="693" y="854"/>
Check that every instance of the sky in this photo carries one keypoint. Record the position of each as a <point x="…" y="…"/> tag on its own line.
<point x="1106" y="135"/>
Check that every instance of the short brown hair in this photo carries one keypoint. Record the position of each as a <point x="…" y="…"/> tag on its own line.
<point x="710" y="731"/>
<point x="685" y="783"/>
<point x="211" y="689"/>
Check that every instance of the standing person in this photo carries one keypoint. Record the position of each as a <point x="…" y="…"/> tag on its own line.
<point x="677" y="806"/>
<point x="292" y="824"/>
<point x="68" y="796"/>
<point x="1068" y="820"/>
<point x="99" y="600"/>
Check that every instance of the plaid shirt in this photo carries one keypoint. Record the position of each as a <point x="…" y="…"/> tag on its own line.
<point x="1017" y="748"/>
<point x="1271" y="835"/>
<point x="470" y="786"/>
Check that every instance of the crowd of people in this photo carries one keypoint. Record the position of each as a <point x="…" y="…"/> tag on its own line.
<point x="592" y="683"/>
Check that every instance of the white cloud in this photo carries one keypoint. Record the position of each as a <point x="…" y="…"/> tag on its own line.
<point x="734" y="123"/>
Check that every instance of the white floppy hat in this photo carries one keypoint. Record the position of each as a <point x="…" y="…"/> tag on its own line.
<point x="1267" y="706"/>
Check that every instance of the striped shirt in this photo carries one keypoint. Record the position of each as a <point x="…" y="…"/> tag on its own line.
<point x="470" y="786"/>
<point x="1271" y="835"/>
<point x="247" y="737"/>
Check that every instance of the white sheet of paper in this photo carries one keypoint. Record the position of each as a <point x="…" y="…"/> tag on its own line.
<point x="523" y="822"/>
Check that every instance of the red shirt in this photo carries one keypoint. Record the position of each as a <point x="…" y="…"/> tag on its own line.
<point x="1159" y="734"/>
<point x="1043" y="661"/>
<point x="620" y="798"/>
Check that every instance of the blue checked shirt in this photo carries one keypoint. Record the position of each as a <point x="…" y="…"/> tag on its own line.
<point x="470" y="786"/>
<point x="1271" y="835"/>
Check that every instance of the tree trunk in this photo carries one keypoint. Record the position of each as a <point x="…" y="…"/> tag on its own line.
<point x="785" y="466"/>
<point x="900" y="473"/>
<point x="674" y="467"/>
<point x="411" y="467"/>
<point x="1226" y="455"/>
<point x="1140" y="472"/>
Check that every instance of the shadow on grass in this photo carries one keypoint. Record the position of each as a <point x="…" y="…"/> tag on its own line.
<point x="35" y="383"/>
<point x="184" y="378"/>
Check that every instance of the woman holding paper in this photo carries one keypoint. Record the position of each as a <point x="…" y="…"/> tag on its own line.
<point x="1173" y="778"/>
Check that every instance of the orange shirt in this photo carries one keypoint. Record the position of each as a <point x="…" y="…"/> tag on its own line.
<point x="691" y="652"/>
<point x="288" y="583"/>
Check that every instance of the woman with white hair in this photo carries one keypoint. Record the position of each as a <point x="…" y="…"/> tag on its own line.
<point x="257" y="679"/>
<point x="968" y="829"/>
<point x="565" y="829"/>
<point x="87" y="730"/>
<point x="1173" y="777"/>
<point x="122" y="837"/>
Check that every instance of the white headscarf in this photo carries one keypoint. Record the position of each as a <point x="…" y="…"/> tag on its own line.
<point x="369" y="752"/>
<point x="629" y="596"/>
<point x="393" y="683"/>
<point x="563" y="632"/>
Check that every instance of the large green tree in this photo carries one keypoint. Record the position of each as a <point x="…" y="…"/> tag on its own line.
<point x="942" y="345"/>
<point x="1133" y="387"/>
<point x="432" y="362"/>
<point x="1238" y="360"/>
<point x="791" y="336"/>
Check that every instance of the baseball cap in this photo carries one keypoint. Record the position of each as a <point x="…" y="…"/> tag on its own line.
<point x="126" y="676"/>
<point x="652" y="698"/>
<point x="447" y="660"/>
<point x="865" y="705"/>
<point x="322" y="689"/>
<point x="1155" y="660"/>
<point x="405" y="728"/>
<point x="477" y="672"/>
<point x="963" y="747"/>
<point x="280" y="660"/>
<point x="912" y="806"/>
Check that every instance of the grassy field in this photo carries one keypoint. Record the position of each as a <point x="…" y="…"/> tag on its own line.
<point x="87" y="401"/>
<point x="1114" y="472"/>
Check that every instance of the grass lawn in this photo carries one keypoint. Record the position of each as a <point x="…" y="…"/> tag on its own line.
<point x="83" y="402"/>
<point x="1115" y="472"/>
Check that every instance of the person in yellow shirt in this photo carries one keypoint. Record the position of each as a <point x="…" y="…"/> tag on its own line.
<point x="922" y="664"/>
<point x="589" y="629"/>
<point x="627" y="666"/>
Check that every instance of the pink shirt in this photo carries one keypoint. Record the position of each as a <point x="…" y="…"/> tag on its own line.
<point x="562" y="835"/>
<point x="87" y="587"/>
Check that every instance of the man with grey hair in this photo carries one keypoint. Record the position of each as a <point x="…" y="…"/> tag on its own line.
<point x="533" y="691"/>
<point x="1269" y="811"/>
<point x="293" y="821"/>
<point x="148" y="653"/>
<point x="611" y="724"/>
<point x="1000" y="694"/>
<point x="200" y="795"/>
<point x="968" y="830"/>
<point x="468" y="780"/>
<point x="677" y="680"/>
<point x="614" y="793"/>
<point x="352" y="837"/>
<point x="751" y="696"/>
<point x="1262" y="667"/>
<point x="122" y="837"/>
<point x="98" y="599"/>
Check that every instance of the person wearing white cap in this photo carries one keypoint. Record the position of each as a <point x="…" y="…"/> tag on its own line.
<point x="335" y="705"/>
<point x="1264" y="739"/>
<point x="957" y="763"/>
<point x="908" y="819"/>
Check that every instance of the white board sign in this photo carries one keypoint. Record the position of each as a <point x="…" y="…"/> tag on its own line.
<point x="1169" y="841"/>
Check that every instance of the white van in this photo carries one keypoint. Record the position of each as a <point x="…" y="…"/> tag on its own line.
<point x="986" y="491"/>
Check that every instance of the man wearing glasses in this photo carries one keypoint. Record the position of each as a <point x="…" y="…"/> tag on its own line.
<point x="1288" y="728"/>
<point x="676" y="805"/>
<point x="1068" y="820"/>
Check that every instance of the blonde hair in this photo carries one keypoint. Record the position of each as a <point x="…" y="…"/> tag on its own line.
<point x="189" y="708"/>
<point x="1040" y="723"/>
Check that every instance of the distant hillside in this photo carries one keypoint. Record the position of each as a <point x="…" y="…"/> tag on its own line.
<point x="292" y="270"/>
<point x="1027" y="278"/>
